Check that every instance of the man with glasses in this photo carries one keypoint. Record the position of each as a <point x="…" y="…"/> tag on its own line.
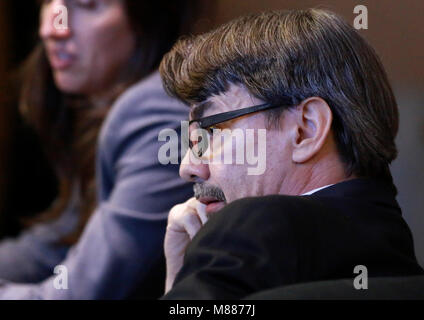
<point x="325" y="202"/>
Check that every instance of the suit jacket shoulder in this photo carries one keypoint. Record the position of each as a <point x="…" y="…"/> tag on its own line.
<point x="256" y="244"/>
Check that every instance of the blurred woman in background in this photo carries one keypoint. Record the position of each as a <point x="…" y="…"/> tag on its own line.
<point x="70" y="82"/>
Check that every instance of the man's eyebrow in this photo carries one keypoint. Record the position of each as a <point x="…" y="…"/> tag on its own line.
<point x="198" y="111"/>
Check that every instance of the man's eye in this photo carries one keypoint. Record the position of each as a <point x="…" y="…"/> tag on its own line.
<point x="210" y="129"/>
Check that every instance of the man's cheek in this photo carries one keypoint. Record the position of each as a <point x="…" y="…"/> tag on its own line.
<point x="232" y="190"/>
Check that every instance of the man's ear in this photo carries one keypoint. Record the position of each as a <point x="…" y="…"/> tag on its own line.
<point x="313" y="124"/>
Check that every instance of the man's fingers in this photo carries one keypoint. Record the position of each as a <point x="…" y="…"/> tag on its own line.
<point x="188" y="217"/>
<point x="192" y="203"/>
<point x="191" y="223"/>
<point x="201" y="211"/>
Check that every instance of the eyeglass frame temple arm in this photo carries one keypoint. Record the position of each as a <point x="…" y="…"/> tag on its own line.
<point x="229" y="115"/>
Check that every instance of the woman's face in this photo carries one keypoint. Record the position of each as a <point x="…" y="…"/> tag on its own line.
<point x="88" y="57"/>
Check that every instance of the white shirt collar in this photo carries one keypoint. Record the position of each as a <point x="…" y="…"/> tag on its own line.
<point x="315" y="190"/>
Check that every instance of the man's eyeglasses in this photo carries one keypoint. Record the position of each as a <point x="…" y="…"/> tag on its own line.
<point x="200" y="143"/>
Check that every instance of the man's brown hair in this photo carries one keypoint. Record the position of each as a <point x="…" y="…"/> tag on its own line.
<point x="295" y="55"/>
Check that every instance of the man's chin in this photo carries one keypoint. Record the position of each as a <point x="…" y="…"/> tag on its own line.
<point x="213" y="207"/>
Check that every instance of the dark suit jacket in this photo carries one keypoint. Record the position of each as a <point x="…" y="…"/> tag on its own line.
<point x="381" y="288"/>
<point x="255" y="244"/>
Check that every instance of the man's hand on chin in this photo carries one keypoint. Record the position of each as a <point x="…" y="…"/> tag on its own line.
<point x="184" y="221"/>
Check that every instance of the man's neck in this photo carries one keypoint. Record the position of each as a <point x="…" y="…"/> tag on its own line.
<point x="309" y="179"/>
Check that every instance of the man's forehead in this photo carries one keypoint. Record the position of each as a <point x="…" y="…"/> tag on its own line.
<point x="215" y="104"/>
<point x="198" y="111"/>
<point x="236" y="97"/>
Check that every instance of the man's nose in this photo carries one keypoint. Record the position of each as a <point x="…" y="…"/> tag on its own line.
<point x="193" y="171"/>
<point x="54" y="20"/>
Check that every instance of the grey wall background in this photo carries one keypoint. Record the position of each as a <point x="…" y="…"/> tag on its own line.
<point x="407" y="169"/>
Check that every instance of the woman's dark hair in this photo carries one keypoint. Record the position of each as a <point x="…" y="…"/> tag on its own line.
<point x="66" y="124"/>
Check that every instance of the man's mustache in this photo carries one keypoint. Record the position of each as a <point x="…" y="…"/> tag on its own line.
<point x="206" y="190"/>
